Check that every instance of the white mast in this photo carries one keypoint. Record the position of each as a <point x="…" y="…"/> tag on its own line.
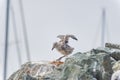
<point x="6" y="40"/>
<point x="103" y="27"/>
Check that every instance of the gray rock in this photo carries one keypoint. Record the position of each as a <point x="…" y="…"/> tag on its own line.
<point x="92" y="65"/>
<point x="116" y="75"/>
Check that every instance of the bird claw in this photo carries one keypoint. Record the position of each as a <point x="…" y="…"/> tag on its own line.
<point x="58" y="59"/>
<point x="57" y="63"/>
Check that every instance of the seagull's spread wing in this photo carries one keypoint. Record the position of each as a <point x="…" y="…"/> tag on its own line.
<point x="61" y="36"/>
<point x="65" y="38"/>
<point x="73" y="37"/>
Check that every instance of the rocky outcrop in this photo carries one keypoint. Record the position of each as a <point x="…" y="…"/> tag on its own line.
<point x="116" y="69"/>
<point x="97" y="64"/>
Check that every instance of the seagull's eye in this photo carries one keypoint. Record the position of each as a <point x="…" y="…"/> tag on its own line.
<point x="66" y="41"/>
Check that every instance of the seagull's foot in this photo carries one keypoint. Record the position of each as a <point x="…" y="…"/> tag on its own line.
<point x="59" y="58"/>
<point x="57" y="63"/>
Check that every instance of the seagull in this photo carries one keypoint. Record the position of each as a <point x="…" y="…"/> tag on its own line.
<point x="62" y="46"/>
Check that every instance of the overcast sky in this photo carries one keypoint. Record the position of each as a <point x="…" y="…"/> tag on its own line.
<point x="45" y="19"/>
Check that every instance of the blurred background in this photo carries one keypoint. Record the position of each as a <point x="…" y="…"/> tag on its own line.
<point x="34" y="25"/>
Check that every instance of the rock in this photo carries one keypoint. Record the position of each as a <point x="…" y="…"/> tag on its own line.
<point x="116" y="69"/>
<point x="116" y="66"/>
<point x="116" y="75"/>
<point x="32" y="71"/>
<point x="96" y="64"/>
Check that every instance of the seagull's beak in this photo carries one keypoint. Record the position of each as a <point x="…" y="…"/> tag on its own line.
<point x="52" y="48"/>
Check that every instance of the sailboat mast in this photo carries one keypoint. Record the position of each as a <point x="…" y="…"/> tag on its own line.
<point x="6" y="40"/>
<point x="103" y="27"/>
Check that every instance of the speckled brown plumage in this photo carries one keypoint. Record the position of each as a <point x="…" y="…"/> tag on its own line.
<point x="62" y="46"/>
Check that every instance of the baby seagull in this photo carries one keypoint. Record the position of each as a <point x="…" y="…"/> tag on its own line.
<point x="62" y="46"/>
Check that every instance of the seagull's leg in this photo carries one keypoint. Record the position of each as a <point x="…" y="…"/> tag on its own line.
<point x="60" y="58"/>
